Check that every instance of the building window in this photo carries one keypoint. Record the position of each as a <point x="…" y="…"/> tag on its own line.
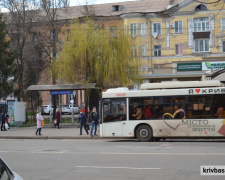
<point x="178" y="27"/>
<point x="54" y="56"/>
<point x="202" y="45"/>
<point x="113" y="30"/>
<point x="15" y="39"/>
<point x="133" y="29"/>
<point x="54" y="35"/>
<point x="68" y="32"/>
<point x="223" y="46"/>
<point x="143" y="50"/>
<point x="115" y="8"/>
<point x="179" y="49"/>
<point x="201" y="7"/>
<point x="142" y="29"/>
<point x="201" y="24"/>
<point x="157" y="28"/>
<point x="35" y="37"/>
<point x="134" y="50"/>
<point x="223" y="23"/>
<point x="157" y="50"/>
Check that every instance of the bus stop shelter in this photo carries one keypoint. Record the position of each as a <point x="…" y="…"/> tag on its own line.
<point x="60" y="89"/>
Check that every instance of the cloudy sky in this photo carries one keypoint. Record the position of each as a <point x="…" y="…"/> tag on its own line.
<point x="75" y="2"/>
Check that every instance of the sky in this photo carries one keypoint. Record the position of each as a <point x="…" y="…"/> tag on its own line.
<point x="78" y="2"/>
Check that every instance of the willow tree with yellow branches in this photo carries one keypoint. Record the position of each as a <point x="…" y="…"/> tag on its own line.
<point x="92" y="54"/>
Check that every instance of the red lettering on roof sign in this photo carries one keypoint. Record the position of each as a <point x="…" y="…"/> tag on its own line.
<point x="120" y="94"/>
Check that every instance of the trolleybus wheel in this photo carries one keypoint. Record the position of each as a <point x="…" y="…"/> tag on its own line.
<point x="144" y="133"/>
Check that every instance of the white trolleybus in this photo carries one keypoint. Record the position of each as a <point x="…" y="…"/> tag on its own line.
<point x="193" y="109"/>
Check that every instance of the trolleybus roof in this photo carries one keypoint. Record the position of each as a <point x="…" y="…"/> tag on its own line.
<point x="181" y="84"/>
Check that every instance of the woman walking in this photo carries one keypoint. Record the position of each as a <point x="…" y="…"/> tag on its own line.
<point x="39" y="120"/>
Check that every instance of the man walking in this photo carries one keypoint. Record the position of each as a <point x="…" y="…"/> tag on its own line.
<point x="94" y="118"/>
<point x="3" y="121"/>
<point x="82" y="119"/>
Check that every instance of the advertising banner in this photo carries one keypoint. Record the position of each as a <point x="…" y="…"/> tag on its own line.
<point x="213" y="65"/>
<point x="189" y="67"/>
<point x="11" y="111"/>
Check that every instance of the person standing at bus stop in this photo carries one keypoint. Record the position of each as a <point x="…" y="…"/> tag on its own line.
<point x="3" y="121"/>
<point x="57" y="117"/>
<point x="94" y="118"/>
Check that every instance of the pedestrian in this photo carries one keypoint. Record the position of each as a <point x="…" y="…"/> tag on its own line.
<point x="82" y="120"/>
<point x="83" y="109"/>
<point x="39" y="120"/>
<point x="220" y="111"/>
<point x="57" y="117"/>
<point x="7" y="119"/>
<point x="3" y="121"/>
<point x="94" y="118"/>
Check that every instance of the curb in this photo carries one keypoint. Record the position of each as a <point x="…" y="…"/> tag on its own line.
<point x="47" y="137"/>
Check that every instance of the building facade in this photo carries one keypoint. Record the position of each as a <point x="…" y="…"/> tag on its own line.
<point x="175" y="39"/>
<point x="185" y="33"/>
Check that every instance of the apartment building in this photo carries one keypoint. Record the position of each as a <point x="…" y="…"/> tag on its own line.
<point x="175" y="39"/>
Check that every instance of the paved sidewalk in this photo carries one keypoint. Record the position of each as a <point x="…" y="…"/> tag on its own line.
<point x="65" y="132"/>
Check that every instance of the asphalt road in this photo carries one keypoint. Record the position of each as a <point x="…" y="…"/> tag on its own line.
<point x="112" y="159"/>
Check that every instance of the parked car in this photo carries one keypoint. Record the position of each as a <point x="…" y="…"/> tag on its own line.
<point x="66" y="109"/>
<point x="45" y="109"/>
<point x="7" y="173"/>
<point x="75" y="109"/>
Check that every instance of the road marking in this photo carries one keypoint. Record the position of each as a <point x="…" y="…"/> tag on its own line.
<point x="167" y="154"/>
<point x="193" y="147"/>
<point x="47" y="152"/>
<point x="101" y="167"/>
<point x="153" y="147"/>
<point x="129" y="147"/>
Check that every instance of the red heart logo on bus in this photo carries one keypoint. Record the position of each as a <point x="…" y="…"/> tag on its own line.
<point x="197" y="90"/>
<point x="174" y="128"/>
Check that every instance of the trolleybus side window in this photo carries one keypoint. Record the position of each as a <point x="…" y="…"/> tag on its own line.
<point x="145" y="108"/>
<point x="114" y="110"/>
<point x="200" y="107"/>
<point x="219" y="105"/>
<point x="174" y="107"/>
<point x="156" y="107"/>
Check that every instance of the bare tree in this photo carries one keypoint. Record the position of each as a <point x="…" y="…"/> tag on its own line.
<point x="48" y="38"/>
<point x="86" y="8"/>
<point x="20" y="20"/>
